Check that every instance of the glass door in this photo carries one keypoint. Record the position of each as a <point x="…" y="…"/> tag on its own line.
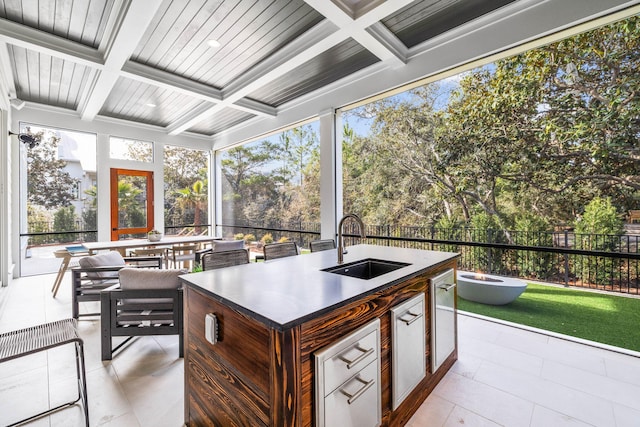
<point x="131" y="203"/>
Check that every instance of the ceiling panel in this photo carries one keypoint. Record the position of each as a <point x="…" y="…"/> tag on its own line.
<point x="47" y="80"/>
<point x="80" y="21"/>
<point x="248" y="32"/>
<point x="156" y="52"/>
<point x="340" y="61"/>
<point x="221" y="121"/>
<point x="134" y="100"/>
<point x="425" y="19"/>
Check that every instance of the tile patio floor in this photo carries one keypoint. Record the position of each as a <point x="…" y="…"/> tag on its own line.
<point x="505" y="376"/>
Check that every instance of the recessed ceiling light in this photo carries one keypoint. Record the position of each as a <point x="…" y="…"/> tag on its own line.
<point x="213" y="43"/>
<point x="151" y="104"/>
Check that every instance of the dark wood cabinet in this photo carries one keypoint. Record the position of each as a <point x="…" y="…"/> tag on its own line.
<point x="258" y="375"/>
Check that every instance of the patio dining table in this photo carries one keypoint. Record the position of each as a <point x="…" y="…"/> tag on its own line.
<point x="91" y="248"/>
<point x="122" y="245"/>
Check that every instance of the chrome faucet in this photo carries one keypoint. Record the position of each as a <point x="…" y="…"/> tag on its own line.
<point x="341" y="250"/>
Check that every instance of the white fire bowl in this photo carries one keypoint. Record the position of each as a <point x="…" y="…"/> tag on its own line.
<point x="494" y="291"/>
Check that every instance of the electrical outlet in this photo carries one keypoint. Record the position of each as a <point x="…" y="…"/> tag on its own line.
<point x="211" y="328"/>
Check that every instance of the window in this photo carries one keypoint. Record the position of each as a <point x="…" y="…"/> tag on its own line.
<point x="186" y="183"/>
<point x="274" y="183"/>
<point x="59" y="201"/>
<point x="129" y="149"/>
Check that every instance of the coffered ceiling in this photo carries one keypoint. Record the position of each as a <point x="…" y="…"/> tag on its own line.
<point x="207" y="66"/>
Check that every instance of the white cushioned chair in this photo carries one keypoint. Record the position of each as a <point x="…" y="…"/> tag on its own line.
<point x="98" y="272"/>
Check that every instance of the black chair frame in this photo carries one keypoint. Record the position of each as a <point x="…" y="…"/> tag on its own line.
<point x="84" y="288"/>
<point x="139" y="312"/>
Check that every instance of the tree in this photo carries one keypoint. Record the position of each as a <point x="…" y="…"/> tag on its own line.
<point x="545" y="131"/>
<point x="183" y="167"/>
<point x="48" y="184"/>
<point x="599" y="228"/>
<point x="64" y="219"/>
<point x="247" y="191"/>
<point x="194" y="196"/>
<point x="129" y="213"/>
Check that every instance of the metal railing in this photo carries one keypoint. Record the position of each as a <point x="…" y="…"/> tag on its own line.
<point x="301" y="233"/>
<point x="606" y="262"/>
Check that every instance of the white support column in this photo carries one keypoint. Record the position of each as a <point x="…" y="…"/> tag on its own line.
<point x="330" y="173"/>
<point x="158" y="186"/>
<point x="103" y="183"/>
<point x="215" y="192"/>
<point x="6" y="260"/>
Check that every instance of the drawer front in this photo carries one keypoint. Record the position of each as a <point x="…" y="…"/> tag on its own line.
<point x="348" y="357"/>
<point x="409" y="363"/>
<point x="347" y="380"/>
<point x="354" y="402"/>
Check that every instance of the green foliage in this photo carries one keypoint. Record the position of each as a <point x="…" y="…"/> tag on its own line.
<point x="266" y="239"/>
<point x="599" y="229"/>
<point x="534" y="230"/>
<point x="238" y="236"/>
<point x="193" y="197"/>
<point x="248" y="238"/>
<point x="38" y="222"/>
<point x="544" y="132"/>
<point x="283" y="239"/>
<point x="186" y="186"/>
<point x="600" y="217"/>
<point x="48" y="184"/>
<point x="272" y="181"/>
<point x="130" y="213"/>
<point x="64" y="219"/>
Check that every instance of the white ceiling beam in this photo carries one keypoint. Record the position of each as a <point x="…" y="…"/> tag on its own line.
<point x="156" y="77"/>
<point x="306" y="47"/>
<point x="339" y="26"/>
<point x="134" y="18"/>
<point x="7" y="78"/>
<point x="58" y="47"/>
<point x="520" y="26"/>
<point x="49" y="44"/>
<point x="355" y="26"/>
<point x="153" y="76"/>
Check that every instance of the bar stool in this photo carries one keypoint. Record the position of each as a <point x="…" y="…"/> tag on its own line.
<point x="25" y="342"/>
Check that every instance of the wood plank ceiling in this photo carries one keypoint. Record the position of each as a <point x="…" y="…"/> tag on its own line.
<point x="151" y="62"/>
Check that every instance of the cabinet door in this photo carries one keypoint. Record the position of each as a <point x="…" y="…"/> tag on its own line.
<point x="443" y="320"/>
<point x="408" y="357"/>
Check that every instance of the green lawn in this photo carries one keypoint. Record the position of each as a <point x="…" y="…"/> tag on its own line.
<point x="603" y="318"/>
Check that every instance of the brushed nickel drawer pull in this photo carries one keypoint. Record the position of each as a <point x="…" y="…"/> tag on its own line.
<point x="447" y="287"/>
<point x="352" y="363"/>
<point x="413" y="319"/>
<point x="352" y="397"/>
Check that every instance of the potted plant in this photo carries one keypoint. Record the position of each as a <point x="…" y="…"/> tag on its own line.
<point x="154" y="235"/>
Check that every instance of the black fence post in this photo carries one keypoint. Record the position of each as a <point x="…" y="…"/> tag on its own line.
<point x="566" y="258"/>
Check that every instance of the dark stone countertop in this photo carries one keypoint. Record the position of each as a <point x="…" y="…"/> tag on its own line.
<point x="286" y="292"/>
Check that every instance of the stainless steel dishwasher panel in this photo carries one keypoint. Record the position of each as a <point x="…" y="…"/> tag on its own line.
<point x="443" y="318"/>
<point x="408" y="357"/>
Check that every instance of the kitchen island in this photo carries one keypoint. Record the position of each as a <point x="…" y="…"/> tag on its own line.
<point x="254" y="334"/>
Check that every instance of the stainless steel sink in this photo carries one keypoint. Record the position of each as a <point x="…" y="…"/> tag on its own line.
<point x="367" y="268"/>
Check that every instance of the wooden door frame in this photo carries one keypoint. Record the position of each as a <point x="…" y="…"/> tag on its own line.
<point x="114" y="200"/>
